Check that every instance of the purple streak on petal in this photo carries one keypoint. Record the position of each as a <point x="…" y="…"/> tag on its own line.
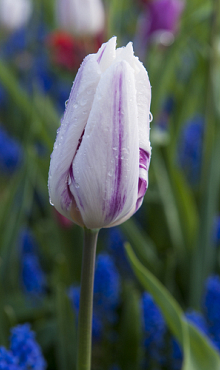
<point x="72" y="180"/>
<point x="100" y="56"/>
<point x="66" y="196"/>
<point x="118" y="197"/>
<point x="144" y="159"/>
<point x="142" y="187"/>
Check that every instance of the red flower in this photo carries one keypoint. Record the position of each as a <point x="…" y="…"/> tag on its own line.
<point x="67" y="52"/>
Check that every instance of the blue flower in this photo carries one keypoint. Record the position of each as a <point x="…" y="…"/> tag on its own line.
<point x="197" y="319"/>
<point x="27" y="241"/>
<point x="115" y="245"/>
<point x="25" y="348"/>
<point x="107" y="283"/>
<point x="11" y="153"/>
<point x="97" y="326"/>
<point x="33" y="277"/>
<point x="212" y="308"/>
<point x="74" y="296"/>
<point x="40" y="74"/>
<point x="217" y="231"/>
<point x="154" y="330"/>
<point x="15" y="43"/>
<point x="154" y="324"/>
<point x="190" y="148"/>
<point x="106" y="295"/>
<point x="7" y="360"/>
<point x="176" y="355"/>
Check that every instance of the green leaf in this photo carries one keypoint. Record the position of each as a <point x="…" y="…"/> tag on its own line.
<point x="66" y="331"/>
<point x="143" y="245"/>
<point x="198" y="352"/>
<point x="130" y="330"/>
<point x="169" y="202"/>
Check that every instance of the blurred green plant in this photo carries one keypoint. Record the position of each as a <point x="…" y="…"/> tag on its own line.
<point x="172" y="234"/>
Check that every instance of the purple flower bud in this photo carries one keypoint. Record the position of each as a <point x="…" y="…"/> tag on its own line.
<point x="99" y="166"/>
<point x="159" y="21"/>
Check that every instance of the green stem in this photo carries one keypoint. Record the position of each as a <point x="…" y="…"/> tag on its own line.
<point x="86" y="300"/>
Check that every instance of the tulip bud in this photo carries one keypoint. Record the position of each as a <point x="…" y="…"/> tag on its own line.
<point x="99" y="166"/>
<point x="85" y="17"/>
<point x="15" y="14"/>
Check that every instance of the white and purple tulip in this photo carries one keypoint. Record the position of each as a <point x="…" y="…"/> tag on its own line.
<point x="81" y="17"/>
<point x="99" y="166"/>
<point x="15" y="14"/>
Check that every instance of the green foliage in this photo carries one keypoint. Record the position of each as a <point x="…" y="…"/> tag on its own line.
<point x="172" y="233"/>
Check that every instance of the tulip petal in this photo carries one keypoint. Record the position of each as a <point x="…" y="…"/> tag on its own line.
<point x="105" y="170"/>
<point x="106" y="54"/>
<point x="70" y="133"/>
<point x="144" y="117"/>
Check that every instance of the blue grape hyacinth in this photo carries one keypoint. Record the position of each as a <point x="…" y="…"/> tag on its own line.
<point x="190" y="148"/>
<point x="25" y="353"/>
<point x="7" y="360"/>
<point x="32" y="275"/>
<point x="176" y="355"/>
<point x="212" y="308"/>
<point x="115" y="245"/>
<point x="11" y="153"/>
<point x="106" y="283"/>
<point x="154" y="329"/>
<point x="106" y="295"/>
<point x="216" y="233"/>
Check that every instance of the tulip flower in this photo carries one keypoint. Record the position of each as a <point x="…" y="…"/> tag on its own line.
<point x="99" y="166"/>
<point x="85" y="17"/>
<point x="164" y="15"/>
<point x="15" y="14"/>
<point x="158" y="23"/>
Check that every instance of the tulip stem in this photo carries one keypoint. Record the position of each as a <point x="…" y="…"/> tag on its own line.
<point x="86" y="300"/>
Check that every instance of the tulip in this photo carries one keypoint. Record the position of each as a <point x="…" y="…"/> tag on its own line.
<point x="164" y="15"/>
<point x="158" y="23"/>
<point x="85" y="17"/>
<point x="15" y="14"/>
<point x="99" y="166"/>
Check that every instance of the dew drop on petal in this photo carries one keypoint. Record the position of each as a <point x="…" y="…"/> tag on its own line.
<point x="150" y="117"/>
<point x="51" y="202"/>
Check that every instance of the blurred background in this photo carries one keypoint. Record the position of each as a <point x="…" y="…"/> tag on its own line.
<point x="175" y="234"/>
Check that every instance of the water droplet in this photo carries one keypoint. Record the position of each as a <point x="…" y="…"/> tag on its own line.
<point x="51" y="202"/>
<point x="83" y="102"/>
<point x="66" y="102"/>
<point x="75" y="105"/>
<point x="76" y="185"/>
<point x="150" y="117"/>
<point x="69" y="180"/>
<point x="110" y="173"/>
